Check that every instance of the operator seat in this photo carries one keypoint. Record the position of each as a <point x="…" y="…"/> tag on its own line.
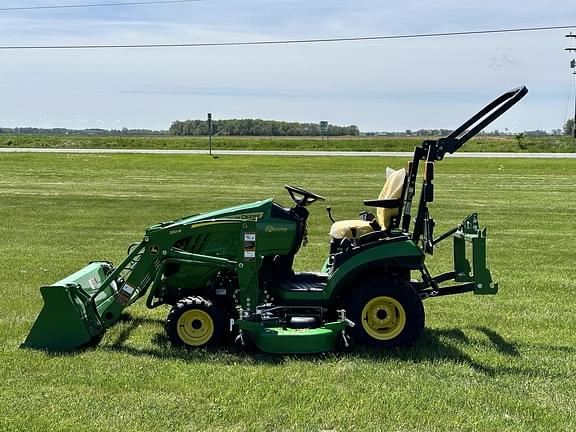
<point x="353" y="229"/>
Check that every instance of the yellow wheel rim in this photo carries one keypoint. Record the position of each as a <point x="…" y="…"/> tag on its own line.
<point x="383" y="318"/>
<point x="195" y="327"/>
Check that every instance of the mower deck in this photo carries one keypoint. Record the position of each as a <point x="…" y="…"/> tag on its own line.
<point x="276" y="339"/>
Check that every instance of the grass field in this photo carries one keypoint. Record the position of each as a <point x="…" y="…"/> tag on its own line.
<point x="479" y="144"/>
<point x="504" y="362"/>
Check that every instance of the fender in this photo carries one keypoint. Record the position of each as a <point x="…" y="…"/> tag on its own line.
<point x="404" y="254"/>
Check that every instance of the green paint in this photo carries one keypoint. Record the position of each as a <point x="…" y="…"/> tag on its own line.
<point x="63" y="322"/>
<point x="279" y="340"/>
<point x="478" y="273"/>
<point x="399" y="253"/>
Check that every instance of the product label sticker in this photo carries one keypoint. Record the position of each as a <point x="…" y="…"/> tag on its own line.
<point x="93" y="282"/>
<point x="251" y="216"/>
<point x="249" y="245"/>
<point x="275" y="229"/>
<point x="125" y="294"/>
<point x="128" y="289"/>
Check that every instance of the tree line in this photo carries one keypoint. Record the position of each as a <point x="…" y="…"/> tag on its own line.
<point x="262" y="128"/>
<point x="257" y="127"/>
<point x="91" y="131"/>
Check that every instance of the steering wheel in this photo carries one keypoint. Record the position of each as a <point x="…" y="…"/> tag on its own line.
<point x="302" y="197"/>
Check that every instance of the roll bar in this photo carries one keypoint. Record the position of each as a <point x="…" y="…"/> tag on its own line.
<point x="474" y="124"/>
<point x="434" y="150"/>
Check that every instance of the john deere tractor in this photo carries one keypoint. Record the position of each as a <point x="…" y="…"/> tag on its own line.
<point x="227" y="275"/>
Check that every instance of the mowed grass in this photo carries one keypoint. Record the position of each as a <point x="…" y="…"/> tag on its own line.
<point x="504" y="362"/>
<point x="501" y="143"/>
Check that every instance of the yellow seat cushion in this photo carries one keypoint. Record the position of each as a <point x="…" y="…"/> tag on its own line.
<point x="351" y="229"/>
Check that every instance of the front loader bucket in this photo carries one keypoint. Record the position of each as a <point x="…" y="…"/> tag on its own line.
<point x="69" y="318"/>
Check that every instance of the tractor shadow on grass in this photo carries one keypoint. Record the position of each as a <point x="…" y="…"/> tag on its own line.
<point x="161" y="347"/>
<point x="436" y="345"/>
<point x="441" y="345"/>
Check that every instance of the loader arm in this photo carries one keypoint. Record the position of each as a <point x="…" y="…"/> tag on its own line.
<point x="82" y="306"/>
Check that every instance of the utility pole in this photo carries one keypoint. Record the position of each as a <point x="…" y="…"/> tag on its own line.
<point x="210" y="133"/>
<point x="573" y="66"/>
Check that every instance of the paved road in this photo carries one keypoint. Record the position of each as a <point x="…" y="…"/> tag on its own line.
<point x="285" y="153"/>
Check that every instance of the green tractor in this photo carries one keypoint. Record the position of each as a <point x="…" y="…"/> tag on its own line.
<point x="228" y="275"/>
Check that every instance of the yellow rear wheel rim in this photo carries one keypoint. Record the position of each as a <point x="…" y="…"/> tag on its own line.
<point x="383" y="318"/>
<point x="195" y="327"/>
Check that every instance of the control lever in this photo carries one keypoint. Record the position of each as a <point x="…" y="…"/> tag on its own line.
<point x="329" y="210"/>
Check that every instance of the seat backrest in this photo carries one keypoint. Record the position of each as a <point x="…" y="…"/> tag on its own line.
<point x="392" y="190"/>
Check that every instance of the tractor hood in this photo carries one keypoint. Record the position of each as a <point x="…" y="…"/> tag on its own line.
<point x="254" y="211"/>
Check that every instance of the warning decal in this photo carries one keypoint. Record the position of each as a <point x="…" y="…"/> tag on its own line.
<point x="125" y="294"/>
<point x="249" y="245"/>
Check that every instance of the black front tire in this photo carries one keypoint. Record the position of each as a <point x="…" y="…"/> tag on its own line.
<point x="388" y="312"/>
<point x="195" y="322"/>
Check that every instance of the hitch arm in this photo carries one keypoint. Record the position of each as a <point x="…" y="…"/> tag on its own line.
<point x="446" y="234"/>
<point x="477" y="273"/>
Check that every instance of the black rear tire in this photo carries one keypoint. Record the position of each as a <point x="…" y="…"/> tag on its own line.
<point x="388" y="312"/>
<point x="195" y="322"/>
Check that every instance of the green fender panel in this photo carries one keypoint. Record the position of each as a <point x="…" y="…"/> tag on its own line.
<point x="402" y="254"/>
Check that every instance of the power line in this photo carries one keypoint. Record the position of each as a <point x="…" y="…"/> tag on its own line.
<point x="284" y="42"/>
<point x="87" y="5"/>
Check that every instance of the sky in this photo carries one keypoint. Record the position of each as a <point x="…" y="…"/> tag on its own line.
<point x="386" y="85"/>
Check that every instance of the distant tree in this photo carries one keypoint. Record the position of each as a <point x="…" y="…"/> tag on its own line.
<point x="176" y="128"/>
<point x="569" y="127"/>
<point x="257" y="127"/>
<point x="520" y="139"/>
<point x="537" y="132"/>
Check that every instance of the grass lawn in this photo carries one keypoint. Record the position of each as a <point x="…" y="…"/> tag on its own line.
<point x="504" y="362"/>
